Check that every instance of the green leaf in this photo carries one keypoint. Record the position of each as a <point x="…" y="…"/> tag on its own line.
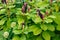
<point x="52" y="34"/>
<point x="56" y="7"/>
<point x="1" y="17"/>
<point x="56" y="37"/>
<point x="57" y="19"/>
<point x="26" y="30"/>
<point x="19" y="38"/>
<point x="8" y="23"/>
<point x="51" y="28"/>
<point x="23" y="37"/>
<point x="12" y="6"/>
<point x="46" y="35"/>
<point x="1" y="35"/>
<point x="44" y="27"/>
<point x="51" y="16"/>
<point x="17" y="31"/>
<point x="58" y="27"/>
<point x="39" y="38"/>
<point x="36" y="19"/>
<point x="35" y="30"/>
<point x="20" y="19"/>
<point x="42" y="4"/>
<point x="2" y="21"/>
<point x="2" y="11"/>
<point x="48" y="20"/>
<point x="16" y="38"/>
<point x="1" y="27"/>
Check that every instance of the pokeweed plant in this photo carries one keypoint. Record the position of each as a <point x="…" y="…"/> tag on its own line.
<point x="29" y="20"/>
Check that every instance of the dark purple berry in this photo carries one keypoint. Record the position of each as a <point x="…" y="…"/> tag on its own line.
<point x="38" y="10"/>
<point x="3" y="1"/>
<point x="40" y="14"/>
<point x="25" y="4"/>
<point x="23" y="9"/>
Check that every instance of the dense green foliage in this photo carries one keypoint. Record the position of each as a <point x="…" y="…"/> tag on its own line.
<point x="29" y="20"/>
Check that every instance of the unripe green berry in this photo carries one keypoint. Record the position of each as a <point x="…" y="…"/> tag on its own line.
<point x="13" y="24"/>
<point x="6" y="34"/>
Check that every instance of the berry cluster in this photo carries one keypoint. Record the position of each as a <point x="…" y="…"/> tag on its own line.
<point x="40" y="14"/>
<point x="25" y="8"/>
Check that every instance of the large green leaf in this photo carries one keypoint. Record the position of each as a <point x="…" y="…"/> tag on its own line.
<point x="52" y="34"/>
<point x="51" y="16"/>
<point x="20" y="19"/>
<point x="46" y="35"/>
<point x="26" y="30"/>
<point x="48" y="20"/>
<point x="17" y="31"/>
<point x="2" y="11"/>
<point x="57" y="19"/>
<point x="39" y="38"/>
<point x="23" y="37"/>
<point x="51" y="27"/>
<point x="36" y="19"/>
<point x="58" y="27"/>
<point x="35" y="30"/>
<point x="44" y="27"/>
<point x="16" y="38"/>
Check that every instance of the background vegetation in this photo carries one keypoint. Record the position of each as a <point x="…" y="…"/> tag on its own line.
<point x="29" y="20"/>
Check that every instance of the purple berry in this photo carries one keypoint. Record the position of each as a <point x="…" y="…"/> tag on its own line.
<point x="25" y="4"/>
<point x="3" y="1"/>
<point x="39" y="14"/>
<point x="23" y="9"/>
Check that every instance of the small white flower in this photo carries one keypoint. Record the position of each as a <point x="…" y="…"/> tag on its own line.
<point x="13" y="24"/>
<point x="6" y="34"/>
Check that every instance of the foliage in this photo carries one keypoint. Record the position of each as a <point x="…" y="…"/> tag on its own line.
<point x="29" y="20"/>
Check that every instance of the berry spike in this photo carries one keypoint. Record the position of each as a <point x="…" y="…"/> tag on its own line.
<point x="39" y="14"/>
<point x="25" y="4"/>
<point x="3" y="1"/>
<point x="42" y="16"/>
<point x="24" y="8"/>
